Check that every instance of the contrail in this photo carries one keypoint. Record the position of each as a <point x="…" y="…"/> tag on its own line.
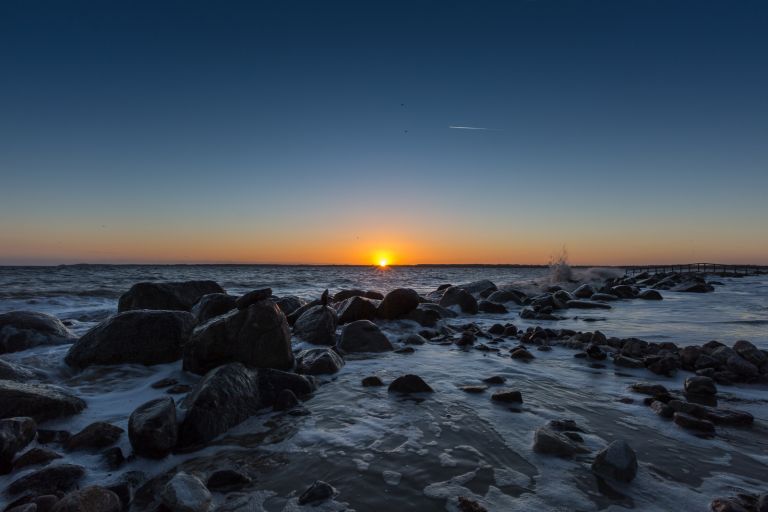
<point x="473" y="128"/>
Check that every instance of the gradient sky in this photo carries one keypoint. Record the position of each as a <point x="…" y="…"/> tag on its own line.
<point x="320" y="131"/>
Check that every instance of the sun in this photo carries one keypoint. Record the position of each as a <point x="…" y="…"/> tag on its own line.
<point x="383" y="262"/>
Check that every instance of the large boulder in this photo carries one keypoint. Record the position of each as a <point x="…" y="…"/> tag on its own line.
<point x="153" y="429"/>
<point x="317" y="361"/>
<point x="742" y="367"/>
<point x="143" y="337"/>
<point x="398" y="303"/>
<point x="355" y="308"/>
<point x="186" y="493"/>
<point x="346" y="294"/>
<point x="289" y="303"/>
<point x="750" y="352"/>
<point x="700" y="385"/>
<point x="363" y="336"/>
<point x="257" y="336"/>
<point x="584" y="291"/>
<point x="455" y="296"/>
<point x="51" y="480"/>
<point x="317" y="325"/>
<point x="228" y="395"/>
<point x="38" y="401"/>
<point x="179" y="296"/>
<point x="504" y="296"/>
<point x="16" y="372"/>
<point x="617" y="461"/>
<point x="93" y="498"/>
<point x="483" y="287"/>
<point x="15" y="434"/>
<point x="20" y="330"/>
<point x="212" y="305"/>
<point x="99" y="434"/>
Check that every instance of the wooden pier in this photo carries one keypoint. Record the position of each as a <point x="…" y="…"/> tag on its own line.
<point x="720" y="269"/>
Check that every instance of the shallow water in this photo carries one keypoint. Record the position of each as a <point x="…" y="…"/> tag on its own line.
<point x="384" y="452"/>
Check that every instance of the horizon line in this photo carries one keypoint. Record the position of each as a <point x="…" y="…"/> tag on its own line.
<point x="518" y="265"/>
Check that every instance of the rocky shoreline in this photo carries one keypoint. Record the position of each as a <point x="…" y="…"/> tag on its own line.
<point x="244" y="350"/>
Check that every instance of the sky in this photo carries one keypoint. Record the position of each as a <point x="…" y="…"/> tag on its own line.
<point x="316" y="132"/>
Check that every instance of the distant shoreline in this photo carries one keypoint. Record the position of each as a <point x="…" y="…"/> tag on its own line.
<point x="341" y="265"/>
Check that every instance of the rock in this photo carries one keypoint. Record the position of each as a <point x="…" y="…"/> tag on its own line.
<point x="317" y="361"/>
<point x="289" y="304"/>
<point x="549" y="442"/>
<point x="468" y="505"/>
<point x="257" y="336"/>
<point x="616" y="462"/>
<point x="624" y="291"/>
<point x="586" y="304"/>
<point x="504" y="296"/>
<point x="174" y="296"/>
<point x="414" y="339"/>
<point x="521" y="353"/>
<point x="96" y="435"/>
<point x="225" y="480"/>
<point x="143" y="337"/>
<point x="51" y="480"/>
<point x="355" y="308"/>
<point x="474" y="389"/>
<point x="487" y="306"/>
<point x="594" y="351"/>
<point x="40" y="402"/>
<point x="317" y="492"/>
<point x="16" y="372"/>
<point x="727" y="505"/>
<point x="495" y="379"/>
<point x="113" y="457"/>
<point x="662" y="365"/>
<point x="372" y="381"/>
<point x="15" y="435"/>
<point x="692" y="423"/>
<point x="688" y="357"/>
<point x="693" y="287"/>
<point x="604" y="297"/>
<point x="482" y="287"/>
<point x="186" y="493"/>
<point x="648" y="388"/>
<point x="363" y="336"/>
<point x="627" y="362"/>
<point x="662" y="409"/>
<point x="286" y="399"/>
<point x="253" y="297"/>
<point x="179" y="389"/>
<point x="705" y="361"/>
<point x="35" y="456"/>
<point x="153" y="429"/>
<point x="409" y="384"/>
<point x="455" y="296"/>
<point x="212" y="305"/>
<point x="45" y="436"/>
<point x="728" y="417"/>
<point x="228" y="395"/>
<point x="700" y="386"/>
<point x="20" y="330"/>
<point x="346" y="294"/>
<point x="398" y="303"/>
<point x="742" y="367"/>
<point x="750" y="352"/>
<point x="508" y="396"/>
<point x="650" y="295"/>
<point x="89" y="499"/>
<point x="317" y="325"/>
<point x="496" y="329"/>
<point x="584" y="291"/>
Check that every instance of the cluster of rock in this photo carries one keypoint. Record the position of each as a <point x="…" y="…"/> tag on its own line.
<point x="741" y="503"/>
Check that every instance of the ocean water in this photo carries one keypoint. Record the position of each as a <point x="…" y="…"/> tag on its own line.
<point x="384" y="452"/>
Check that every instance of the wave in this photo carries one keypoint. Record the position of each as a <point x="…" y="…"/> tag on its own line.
<point x="103" y="293"/>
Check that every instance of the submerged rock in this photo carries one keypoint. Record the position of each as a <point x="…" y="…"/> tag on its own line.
<point x="372" y="381"/>
<point x="186" y="493"/>
<point x="257" y="336"/>
<point x="38" y="401"/>
<point x="153" y="429"/>
<point x="363" y="336"/>
<point x="398" y="303"/>
<point x="212" y="305"/>
<point x="20" y="330"/>
<point x="175" y="296"/>
<point x="318" y="491"/>
<point x="508" y="396"/>
<point x="549" y="442"/>
<point x="93" y="498"/>
<point x="317" y="325"/>
<point x="692" y="423"/>
<point x="487" y="306"/>
<point x="617" y="461"/>
<point x="143" y="337"/>
<point x="410" y="384"/>
<point x="318" y="361"/>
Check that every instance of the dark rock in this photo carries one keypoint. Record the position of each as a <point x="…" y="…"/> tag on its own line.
<point x="186" y="493"/>
<point x="508" y="396"/>
<point x="604" y="297"/>
<point x="504" y="296"/>
<point x="317" y="325"/>
<point x="595" y="352"/>
<point x="487" y="306"/>
<point x="466" y="338"/>
<point x="455" y="296"/>
<point x="616" y="462"/>
<point x="167" y="296"/>
<point x="586" y="304"/>
<point x="89" y="499"/>
<point x="474" y="389"/>
<point x="363" y="336"/>
<point x="688" y="357"/>
<point x="662" y="409"/>
<point x="153" y="428"/>
<point x="624" y="291"/>
<point x="478" y="287"/>
<point x="728" y="417"/>
<point x="648" y="388"/>
<point x="727" y="505"/>
<point x="398" y="303"/>
<point x="662" y="365"/>
<point x="212" y="305"/>
<point x="750" y="352"/>
<point x="253" y="297"/>
<point x="650" y="295"/>
<point x="742" y="367"/>
<point x="496" y="329"/>
<point x="15" y="435"/>
<point x="414" y="339"/>
<point x="372" y="381"/>
<point x="38" y="401"/>
<point x="45" y="436"/>
<point x="317" y="492"/>
<point x="700" y="386"/>
<point x="51" y="480"/>
<point x="144" y="337"/>
<point x="318" y="361"/>
<point x="16" y="372"/>
<point x="692" y="423"/>
<point x="468" y="505"/>
<point x="409" y="384"/>
<point x="355" y="308"/>
<point x="346" y="294"/>
<point x="179" y="389"/>
<point x="521" y="353"/>
<point x="113" y="457"/>
<point x="705" y="361"/>
<point x="257" y="336"/>
<point x="510" y="331"/>
<point x="35" y="456"/>
<point x="405" y="350"/>
<point x="289" y="304"/>
<point x="96" y="435"/>
<point x="693" y="287"/>
<point x="549" y="442"/>
<point x="20" y="330"/>
<point x="584" y="291"/>
<point x="225" y="480"/>
<point x="285" y="400"/>
<point x="164" y="383"/>
<point x="628" y="362"/>
<point x="46" y="502"/>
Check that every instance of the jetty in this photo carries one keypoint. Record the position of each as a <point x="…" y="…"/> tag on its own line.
<point x="720" y="269"/>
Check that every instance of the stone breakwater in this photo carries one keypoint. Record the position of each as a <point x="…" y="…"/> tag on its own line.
<point x="245" y="351"/>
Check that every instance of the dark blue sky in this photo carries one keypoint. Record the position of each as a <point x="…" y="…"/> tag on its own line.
<point x="149" y="121"/>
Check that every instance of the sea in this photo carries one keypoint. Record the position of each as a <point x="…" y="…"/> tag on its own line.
<point x="384" y="452"/>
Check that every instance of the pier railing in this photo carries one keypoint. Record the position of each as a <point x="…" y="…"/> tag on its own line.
<point x="721" y="269"/>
